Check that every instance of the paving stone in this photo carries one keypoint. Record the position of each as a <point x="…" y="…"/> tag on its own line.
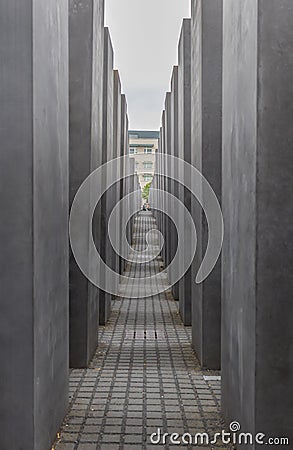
<point x="87" y="447"/>
<point x="69" y="437"/>
<point x="112" y="429"/>
<point x="134" y="439"/>
<point x="134" y="430"/>
<point x="112" y="438"/>
<point x="110" y="446"/>
<point x="62" y="446"/>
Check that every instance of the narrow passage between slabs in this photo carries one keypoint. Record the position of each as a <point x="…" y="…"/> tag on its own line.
<point x="144" y="375"/>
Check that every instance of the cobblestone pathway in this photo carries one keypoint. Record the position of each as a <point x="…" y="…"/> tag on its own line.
<point x="144" y="376"/>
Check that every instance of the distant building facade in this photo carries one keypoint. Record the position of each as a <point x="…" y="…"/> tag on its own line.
<point x="143" y="146"/>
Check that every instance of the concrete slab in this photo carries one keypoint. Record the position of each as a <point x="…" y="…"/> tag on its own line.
<point x="167" y="181"/>
<point x="174" y="151"/>
<point x="184" y="150"/>
<point x="107" y="154"/>
<point x="85" y="90"/>
<point x="257" y="203"/>
<point x="123" y="151"/>
<point x="206" y="155"/>
<point x="33" y="232"/>
<point x="96" y="150"/>
<point x="117" y="123"/>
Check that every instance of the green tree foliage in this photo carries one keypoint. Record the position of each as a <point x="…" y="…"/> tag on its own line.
<point x="146" y="191"/>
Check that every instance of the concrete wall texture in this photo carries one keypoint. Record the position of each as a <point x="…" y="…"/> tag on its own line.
<point x="85" y="81"/>
<point x="174" y="168"/>
<point x="117" y="124"/>
<point x="107" y="154"/>
<point x="206" y="155"/>
<point x="167" y="131"/>
<point x="123" y="149"/>
<point x="257" y="364"/>
<point x="33" y="234"/>
<point x="184" y="150"/>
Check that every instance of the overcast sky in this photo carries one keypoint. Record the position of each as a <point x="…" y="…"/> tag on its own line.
<point x="145" y="39"/>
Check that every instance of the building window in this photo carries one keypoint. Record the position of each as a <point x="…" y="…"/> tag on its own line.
<point x="132" y="150"/>
<point x="147" y="177"/>
<point x="148" y="150"/>
<point x="147" y="165"/>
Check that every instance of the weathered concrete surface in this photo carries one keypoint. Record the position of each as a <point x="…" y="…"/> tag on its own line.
<point x="126" y="171"/>
<point x="96" y="152"/>
<point x="107" y="154"/>
<point x="126" y="190"/>
<point x="257" y="332"/>
<point x="168" y="228"/>
<point x="117" y="126"/>
<point x="85" y="59"/>
<point x="123" y="151"/>
<point x="160" y="179"/>
<point x="184" y="152"/>
<point x="206" y="156"/>
<point x="34" y="224"/>
<point x="174" y="169"/>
